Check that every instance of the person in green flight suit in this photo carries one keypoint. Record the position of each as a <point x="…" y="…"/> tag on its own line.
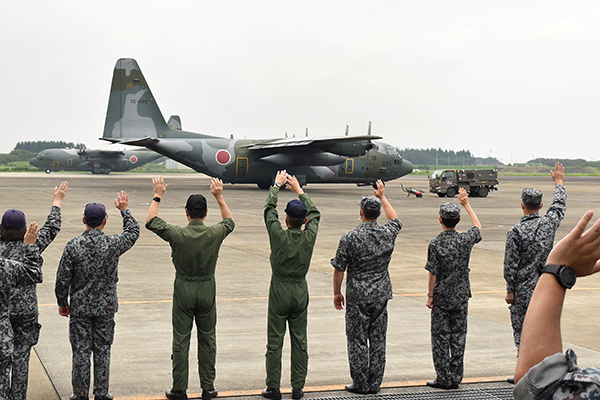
<point x="291" y="251"/>
<point x="194" y="249"/>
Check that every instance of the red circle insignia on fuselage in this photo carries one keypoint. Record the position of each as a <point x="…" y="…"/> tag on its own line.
<point x="133" y="159"/>
<point x="223" y="157"/>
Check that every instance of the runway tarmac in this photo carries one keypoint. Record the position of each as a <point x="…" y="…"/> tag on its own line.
<point x="141" y="367"/>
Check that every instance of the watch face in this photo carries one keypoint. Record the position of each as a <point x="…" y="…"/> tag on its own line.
<point x="567" y="275"/>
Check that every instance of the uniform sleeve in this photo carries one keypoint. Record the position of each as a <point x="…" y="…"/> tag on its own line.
<point x="394" y="226"/>
<point x="432" y="264"/>
<point x="473" y="235"/>
<point x="270" y="214"/>
<point x="50" y="229"/>
<point x="227" y="226"/>
<point x="313" y="217"/>
<point x="160" y="227"/>
<point x="343" y="255"/>
<point x="511" y="260"/>
<point x="30" y="270"/>
<point x="63" y="277"/>
<point x="558" y="208"/>
<point x="131" y="232"/>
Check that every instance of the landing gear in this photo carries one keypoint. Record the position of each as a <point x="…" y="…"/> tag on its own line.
<point x="48" y="170"/>
<point x="263" y="185"/>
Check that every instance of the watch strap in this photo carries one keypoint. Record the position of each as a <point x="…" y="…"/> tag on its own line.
<point x="156" y="199"/>
<point x="557" y="270"/>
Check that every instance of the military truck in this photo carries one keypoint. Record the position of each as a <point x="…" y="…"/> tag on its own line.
<point x="478" y="182"/>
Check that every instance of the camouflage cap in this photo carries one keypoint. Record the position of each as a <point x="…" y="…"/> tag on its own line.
<point x="531" y="196"/>
<point x="449" y="211"/>
<point x="370" y="203"/>
<point x="13" y="219"/>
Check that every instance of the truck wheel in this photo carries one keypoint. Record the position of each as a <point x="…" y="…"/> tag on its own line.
<point x="483" y="191"/>
<point x="451" y="192"/>
<point x="442" y="194"/>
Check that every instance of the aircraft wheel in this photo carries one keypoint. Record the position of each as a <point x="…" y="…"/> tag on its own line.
<point x="263" y="185"/>
<point x="483" y="191"/>
<point x="442" y="194"/>
<point x="48" y="170"/>
<point x="451" y="192"/>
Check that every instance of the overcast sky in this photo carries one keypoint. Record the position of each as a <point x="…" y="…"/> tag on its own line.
<point x="510" y="79"/>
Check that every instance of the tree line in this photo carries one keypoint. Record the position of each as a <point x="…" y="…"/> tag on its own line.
<point x="24" y="151"/>
<point x="429" y="158"/>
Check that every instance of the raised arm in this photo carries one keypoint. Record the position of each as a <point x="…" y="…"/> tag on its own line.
<point x="59" y="193"/>
<point x="385" y="204"/>
<point x="216" y="188"/>
<point x="159" y="188"/>
<point x="541" y="330"/>
<point x="463" y="198"/>
<point x="558" y="175"/>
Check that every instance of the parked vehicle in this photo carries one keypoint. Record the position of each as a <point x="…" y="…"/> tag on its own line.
<point x="478" y="182"/>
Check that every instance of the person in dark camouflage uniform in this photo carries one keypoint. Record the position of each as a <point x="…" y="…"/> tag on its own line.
<point x="449" y="292"/>
<point x="86" y="291"/>
<point x="23" y="300"/>
<point x="543" y="371"/>
<point x="528" y="244"/>
<point x="364" y="253"/>
<point x="194" y="250"/>
<point x="15" y="273"/>
<point x="291" y="252"/>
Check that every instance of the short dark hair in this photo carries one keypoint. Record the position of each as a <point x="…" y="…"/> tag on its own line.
<point x="450" y="223"/>
<point x="371" y="214"/>
<point x="12" y="234"/>
<point x="532" y="206"/>
<point x="196" y="213"/>
<point x="93" y="223"/>
<point x="295" y="222"/>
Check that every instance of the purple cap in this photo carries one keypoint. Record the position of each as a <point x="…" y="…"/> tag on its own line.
<point x="94" y="212"/>
<point x="296" y="209"/>
<point x="13" y="219"/>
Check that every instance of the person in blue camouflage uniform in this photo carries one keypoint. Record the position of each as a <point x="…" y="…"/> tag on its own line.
<point x="449" y="291"/>
<point x="543" y="371"/>
<point x="195" y="251"/>
<point x="12" y="274"/>
<point x="86" y="291"/>
<point x="23" y="300"/>
<point x="364" y="254"/>
<point x="291" y="252"/>
<point x="528" y="244"/>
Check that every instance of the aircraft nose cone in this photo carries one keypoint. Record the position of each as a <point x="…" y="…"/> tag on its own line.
<point x="406" y="168"/>
<point x="35" y="162"/>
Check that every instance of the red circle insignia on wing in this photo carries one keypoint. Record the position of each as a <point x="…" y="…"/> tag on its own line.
<point x="223" y="157"/>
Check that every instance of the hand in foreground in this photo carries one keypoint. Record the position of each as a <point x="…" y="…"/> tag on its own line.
<point x="463" y="197"/>
<point x="158" y="186"/>
<point x="510" y="297"/>
<point x="64" y="311"/>
<point x="380" y="191"/>
<point x="558" y="174"/>
<point x="122" y="200"/>
<point x="429" y="302"/>
<point x="294" y="185"/>
<point x="281" y="177"/>
<point x="59" y="193"/>
<point x="31" y="234"/>
<point x="216" y="187"/>
<point x="579" y="250"/>
<point x="338" y="301"/>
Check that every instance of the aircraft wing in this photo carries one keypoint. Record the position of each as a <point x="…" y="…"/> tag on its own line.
<point x="135" y="142"/>
<point x="307" y="141"/>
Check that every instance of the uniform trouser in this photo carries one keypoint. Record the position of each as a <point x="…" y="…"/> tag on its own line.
<point x="288" y="302"/>
<point x="366" y="329"/>
<point x="194" y="300"/>
<point x="91" y="335"/>
<point x="4" y="374"/>
<point x="27" y="332"/>
<point x="517" y="314"/>
<point x="448" y="339"/>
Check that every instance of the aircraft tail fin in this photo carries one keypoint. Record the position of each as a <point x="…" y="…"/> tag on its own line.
<point x="132" y="111"/>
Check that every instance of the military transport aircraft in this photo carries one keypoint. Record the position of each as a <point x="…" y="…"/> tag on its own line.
<point x="97" y="161"/>
<point x="133" y="118"/>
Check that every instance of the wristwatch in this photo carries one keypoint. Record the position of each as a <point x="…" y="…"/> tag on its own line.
<point x="278" y="185"/>
<point x="564" y="274"/>
<point x="156" y="199"/>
